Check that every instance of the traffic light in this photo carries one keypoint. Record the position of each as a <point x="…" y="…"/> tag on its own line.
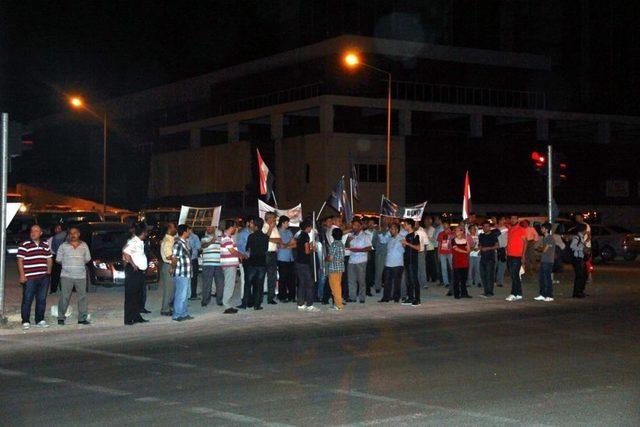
<point x="539" y="163"/>
<point x="559" y="166"/>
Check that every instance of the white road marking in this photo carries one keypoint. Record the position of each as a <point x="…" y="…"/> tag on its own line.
<point x="148" y="399"/>
<point x="11" y="373"/>
<point x="49" y="380"/>
<point x="100" y="389"/>
<point x="387" y="421"/>
<point x="181" y="365"/>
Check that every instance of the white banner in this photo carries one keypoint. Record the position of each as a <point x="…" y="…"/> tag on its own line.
<point x="294" y="213"/>
<point x="200" y="217"/>
<point x="12" y="210"/>
<point x="414" y="212"/>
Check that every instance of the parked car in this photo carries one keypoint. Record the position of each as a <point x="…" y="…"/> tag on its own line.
<point x="106" y="240"/>
<point x="611" y="241"/>
<point x="47" y="219"/>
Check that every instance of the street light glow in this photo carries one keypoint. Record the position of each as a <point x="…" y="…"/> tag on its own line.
<point x="351" y="59"/>
<point x="76" y="102"/>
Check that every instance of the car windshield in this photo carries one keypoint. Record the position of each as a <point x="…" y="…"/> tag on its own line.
<point x="108" y="243"/>
<point x="153" y="218"/>
<point x="618" y="229"/>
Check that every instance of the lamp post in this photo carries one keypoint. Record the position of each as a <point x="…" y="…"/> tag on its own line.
<point x="77" y="103"/>
<point x="352" y="60"/>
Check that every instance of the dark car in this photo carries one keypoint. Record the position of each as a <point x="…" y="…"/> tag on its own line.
<point x="47" y="219"/>
<point x="18" y="232"/>
<point x="106" y="240"/>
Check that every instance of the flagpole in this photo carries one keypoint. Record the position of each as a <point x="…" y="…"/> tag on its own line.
<point x="351" y="193"/>
<point x="273" y="194"/>
<point x="322" y="208"/>
<point x="315" y="237"/>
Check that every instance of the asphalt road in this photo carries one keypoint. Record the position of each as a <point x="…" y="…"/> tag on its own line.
<point x="487" y="363"/>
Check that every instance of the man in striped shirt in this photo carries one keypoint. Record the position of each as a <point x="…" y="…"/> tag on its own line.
<point x="211" y="270"/>
<point x="34" y="266"/>
<point x="229" y="261"/>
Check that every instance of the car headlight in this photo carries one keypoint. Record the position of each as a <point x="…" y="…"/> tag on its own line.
<point x="100" y="265"/>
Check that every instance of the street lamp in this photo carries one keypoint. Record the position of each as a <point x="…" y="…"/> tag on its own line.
<point x="78" y="103"/>
<point x="352" y="60"/>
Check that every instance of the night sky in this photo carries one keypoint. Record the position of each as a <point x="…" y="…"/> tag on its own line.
<point x="112" y="48"/>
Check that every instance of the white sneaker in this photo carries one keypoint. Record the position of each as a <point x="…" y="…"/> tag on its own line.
<point x="42" y="324"/>
<point x="539" y="298"/>
<point x="302" y="307"/>
<point x="510" y="298"/>
<point x="25" y="326"/>
<point x="335" y="307"/>
<point x="548" y="299"/>
<point x="518" y="297"/>
<point x="313" y="309"/>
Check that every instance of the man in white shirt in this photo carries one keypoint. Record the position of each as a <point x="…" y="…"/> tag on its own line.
<point x="422" y="265"/>
<point x="271" y="230"/>
<point x="166" y="281"/>
<point x="431" y="257"/>
<point x="501" y="265"/>
<point x="359" y="244"/>
<point x="135" y="268"/>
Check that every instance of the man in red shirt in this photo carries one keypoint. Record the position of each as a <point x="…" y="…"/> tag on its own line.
<point x="34" y="266"/>
<point x="516" y="248"/>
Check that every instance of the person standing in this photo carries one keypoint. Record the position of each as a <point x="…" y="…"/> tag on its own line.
<point x="166" y="281"/>
<point x="255" y="266"/>
<point x="393" y="265"/>
<point x="230" y="259"/>
<point x="181" y="261"/>
<point x="135" y="261"/>
<point x="460" y="249"/>
<point x="578" y="246"/>
<point x="431" y="256"/>
<point x="532" y="240"/>
<point x="195" y="245"/>
<point x="379" y="242"/>
<point x="422" y="259"/>
<point x="444" y="253"/>
<point x="286" y="267"/>
<point x="304" y="250"/>
<point x="35" y="262"/>
<point x="335" y="267"/>
<point x="359" y="243"/>
<point x="211" y="272"/>
<point x="473" y="275"/>
<point x="548" y="249"/>
<point x="516" y="247"/>
<point x="411" y="244"/>
<point x="241" y="237"/>
<point x="501" y="253"/>
<point x="269" y="228"/>
<point x="488" y="244"/>
<point x="57" y="238"/>
<point x="73" y="256"/>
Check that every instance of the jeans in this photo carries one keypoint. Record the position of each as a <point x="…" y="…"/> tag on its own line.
<point x="501" y="268"/>
<point x="392" y="283"/>
<point x="487" y="274"/>
<point x="546" y="282"/>
<point x="253" y="285"/>
<point x="287" y="282"/>
<point x="430" y="265"/>
<point x="473" y="275"/>
<point x="35" y="288"/>
<point x="272" y="275"/>
<point x="445" y="267"/>
<point x="357" y="281"/>
<point x="181" y="296"/>
<point x="168" y="288"/>
<point x="514" y="263"/>
<point x="460" y="282"/>
<point x="305" y="285"/>
<point x="66" y="288"/>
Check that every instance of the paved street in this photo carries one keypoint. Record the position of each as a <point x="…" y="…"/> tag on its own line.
<point x="474" y="362"/>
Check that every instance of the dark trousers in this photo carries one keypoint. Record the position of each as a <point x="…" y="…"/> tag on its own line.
<point x="253" y="285"/>
<point x="38" y="289"/>
<point x="55" y="276"/>
<point x="195" y="265"/>
<point x="460" y="282"/>
<point x="143" y="296"/>
<point x="431" y="265"/>
<point x="580" y="279"/>
<point x="370" y="277"/>
<point x="345" y="280"/>
<point x="272" y="275"/>
<point x="546" y="283"/>
<point x="305" y="285"/>
<point x="133" y="283"/>
<point x="392" y="279"/>
<point x="513" y="264"/>
<point x="210" y="275"/>
<point x="487" y="274"/>
<point x="287" y="282"/>
<point x="413" y="286"/>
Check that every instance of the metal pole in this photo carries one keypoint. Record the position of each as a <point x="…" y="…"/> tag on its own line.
<point x="389" y="136"/>
<point x="550" y="183"/>
<point x="3" y="220"/>
<point x="104" y="165"/>
<point x="315" y="236"/>
<point x="322" y="208"/>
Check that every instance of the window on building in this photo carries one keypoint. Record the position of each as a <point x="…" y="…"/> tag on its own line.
<point x="371" y="173"/>
<point x="213" y="136"/>
<point x="173" y="142"/>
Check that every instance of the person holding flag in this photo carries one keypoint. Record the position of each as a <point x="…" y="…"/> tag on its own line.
<point x="266" y="180"/>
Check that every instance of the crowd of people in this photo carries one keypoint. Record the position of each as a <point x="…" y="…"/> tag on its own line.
<point x="332" y="264"/>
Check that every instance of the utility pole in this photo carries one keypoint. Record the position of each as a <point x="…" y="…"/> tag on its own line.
<point x="550" y="183"/>
<point x="3" y="219"/>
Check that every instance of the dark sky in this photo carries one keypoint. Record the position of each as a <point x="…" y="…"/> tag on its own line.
<point x="105" y="49"/>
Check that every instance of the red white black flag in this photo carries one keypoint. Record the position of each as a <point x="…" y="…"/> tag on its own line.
<point x="266" y="178"/>
<point x="466" y="200"/>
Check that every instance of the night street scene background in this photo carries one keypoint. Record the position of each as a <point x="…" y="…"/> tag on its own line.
<point x="350" y="113"/>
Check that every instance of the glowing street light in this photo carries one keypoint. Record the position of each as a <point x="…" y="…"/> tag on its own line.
<point x="351" y="59"/>
<point x="76" y="102"/>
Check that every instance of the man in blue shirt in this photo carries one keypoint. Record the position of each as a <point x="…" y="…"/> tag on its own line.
<point x="241" y="245"/>
<point x="286" y="269"/>
<point x="195" y="245"/>
<point x="394" y="265"/>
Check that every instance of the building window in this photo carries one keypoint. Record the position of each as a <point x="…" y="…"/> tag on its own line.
<point x="371" y="173"/>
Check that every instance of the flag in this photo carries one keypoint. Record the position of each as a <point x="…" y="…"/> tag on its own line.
<point x="388" y="208"/>
<point x="466" y="200"/>
<point x="266" y="178"/>
<point x="348" y="209"/>
<point x="336" y="200"/>
<point x="353" y="178"/>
